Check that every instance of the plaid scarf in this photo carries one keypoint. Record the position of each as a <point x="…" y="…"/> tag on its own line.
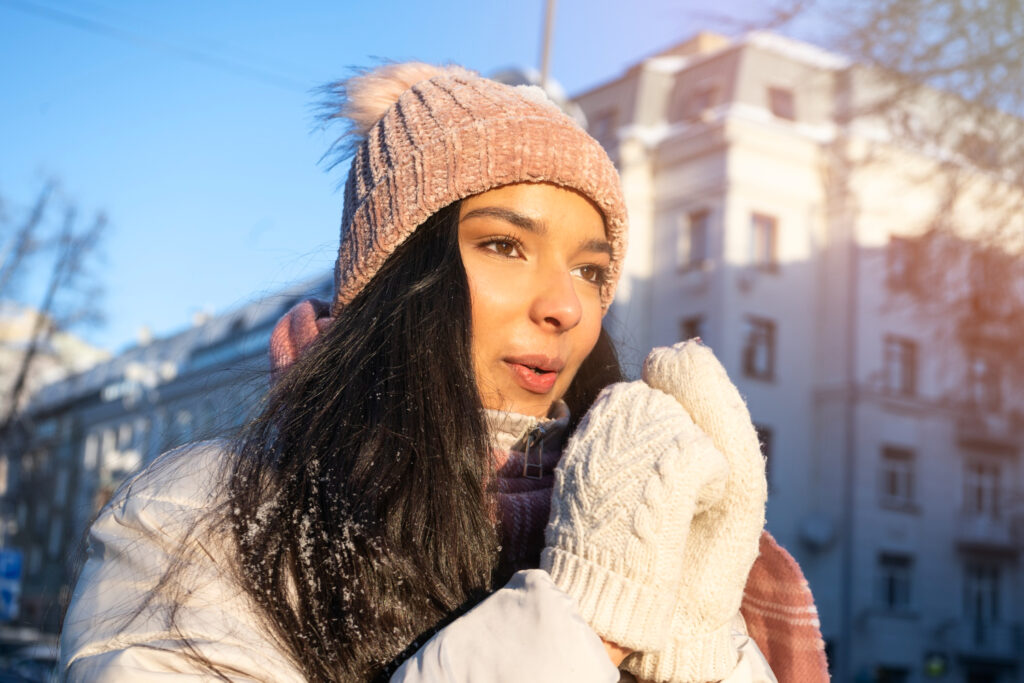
<point x="778" y="606"/>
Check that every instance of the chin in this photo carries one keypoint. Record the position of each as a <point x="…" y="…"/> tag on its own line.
<point x="536" y="405"/>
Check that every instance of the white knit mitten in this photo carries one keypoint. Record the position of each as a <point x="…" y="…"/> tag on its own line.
<point x="723" y="541"/>
<point x="632" y="476"/>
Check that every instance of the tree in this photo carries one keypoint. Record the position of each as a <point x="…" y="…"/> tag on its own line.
<point x="50" y="247"/>
<point x="946" y="78"/>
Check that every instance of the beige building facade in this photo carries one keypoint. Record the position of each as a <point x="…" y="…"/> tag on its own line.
<point x="786" y="231"/>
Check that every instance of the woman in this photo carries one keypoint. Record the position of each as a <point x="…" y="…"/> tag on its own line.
<point x="402" y="465"/>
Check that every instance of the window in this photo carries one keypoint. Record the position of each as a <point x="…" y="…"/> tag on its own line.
<point x="897" y="477"/>
<point x="41" y="515"/>
<point x="982" y="497"/>
<point x="901" y="261"/>
<point x="895" y="574"/>
<point x="764" y="437"/>
<point x="692" y="327"/>
<point x="983" y="383"/>
<point x="56" y="540"/>
<point x="692" y="240"/>
<point x="982" y="582"/>
<point x="602" y="129"/>
<point x="763" y="239"/>
<point x="891" y="674"/>
<point x="702" y="99"/>
<point x="988" y="274"/>
<point x="781" y="103"/>
<point x="759" y="349"/>
<point x="35" y="560"/>
<point x="60" y="486"/>
<point x="124" y="436"/>
<point x="900" y="366"/>
<point x="91" y="454"/>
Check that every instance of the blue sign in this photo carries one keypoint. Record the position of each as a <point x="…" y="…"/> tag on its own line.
<point x="10" y="584"/>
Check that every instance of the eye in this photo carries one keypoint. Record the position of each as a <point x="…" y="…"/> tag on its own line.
<point x="504" y="246"/>
<point x="592" y="274"/>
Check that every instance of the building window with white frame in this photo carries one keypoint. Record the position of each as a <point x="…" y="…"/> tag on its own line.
<point x="982" y="494"/>
<point x="759" y="348"/>
<point x="900" y="369"/>
<point x="984" y="383"/>
<point x="896" y="482"/>
<point x="895" y="581"/>
<point x="764" y="241"/>
<point x="692" y="240"/>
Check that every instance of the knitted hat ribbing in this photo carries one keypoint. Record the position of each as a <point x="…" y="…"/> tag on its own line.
<point x="428" y="136"/>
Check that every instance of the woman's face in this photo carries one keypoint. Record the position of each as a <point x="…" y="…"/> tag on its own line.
<point x="535" y="255"/>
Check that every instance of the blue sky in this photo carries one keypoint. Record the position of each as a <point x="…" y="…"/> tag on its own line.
<point x="191" y="123"/>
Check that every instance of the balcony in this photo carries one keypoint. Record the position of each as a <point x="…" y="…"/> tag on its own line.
<point x="978" y="639"/>
<point x="989" y="431"/>
<point x="983" y="532"/>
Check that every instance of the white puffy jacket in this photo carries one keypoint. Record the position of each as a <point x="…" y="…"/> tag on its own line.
<point x="116" y="626"/>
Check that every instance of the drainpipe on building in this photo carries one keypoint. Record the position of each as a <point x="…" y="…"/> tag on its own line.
<point x="849" y="468"/>
<point x="844" y="665"/>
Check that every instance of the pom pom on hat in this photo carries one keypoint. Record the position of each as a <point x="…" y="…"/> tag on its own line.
<point x="364" y="98"/>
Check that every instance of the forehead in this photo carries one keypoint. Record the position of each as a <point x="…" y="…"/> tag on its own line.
<point x="544" y="203"/>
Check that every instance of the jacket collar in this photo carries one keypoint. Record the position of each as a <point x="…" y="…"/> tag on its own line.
<point x="509" y="431"/>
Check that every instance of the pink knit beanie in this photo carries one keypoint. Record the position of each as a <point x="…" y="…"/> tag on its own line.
<point x="426" y="136"/>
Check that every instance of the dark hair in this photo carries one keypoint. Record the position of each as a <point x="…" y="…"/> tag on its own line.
<point x="357" y="498"/>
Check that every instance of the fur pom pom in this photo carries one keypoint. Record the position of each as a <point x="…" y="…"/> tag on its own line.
<point x="362" y="100"/>
<point x="368" y="95"/>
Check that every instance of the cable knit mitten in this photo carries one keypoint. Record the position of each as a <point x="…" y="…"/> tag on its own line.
<point x="631" y="478"/>
<point x="723" y="542"/>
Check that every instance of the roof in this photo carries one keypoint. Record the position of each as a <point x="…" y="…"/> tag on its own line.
<point x="163" y="359"/>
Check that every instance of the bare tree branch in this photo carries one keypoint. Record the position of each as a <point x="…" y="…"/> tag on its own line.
<point x="24" y="242"/>
<point x="70" y="295"/>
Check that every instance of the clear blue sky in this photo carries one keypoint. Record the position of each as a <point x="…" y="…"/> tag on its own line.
<point x="191" y="123"/>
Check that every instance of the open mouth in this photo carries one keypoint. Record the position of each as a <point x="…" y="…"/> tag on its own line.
<point x="535" y="374"/>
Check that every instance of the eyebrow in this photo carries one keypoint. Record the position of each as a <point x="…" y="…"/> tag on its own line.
<point x="597" y="246"/>
<point x="519" y="220"/>
<point x="509" y="216"/>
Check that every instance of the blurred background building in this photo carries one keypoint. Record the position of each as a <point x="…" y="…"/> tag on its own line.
<point x="775" y="214"/>
<point x="779" y="217"/>
<point x="96" y="427"/>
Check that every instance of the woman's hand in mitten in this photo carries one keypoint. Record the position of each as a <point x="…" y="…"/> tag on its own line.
<point x="632" y="476"/>
<point x="723" y="541"/>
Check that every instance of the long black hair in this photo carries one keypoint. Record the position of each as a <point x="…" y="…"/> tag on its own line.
<point x="358" y="497"/>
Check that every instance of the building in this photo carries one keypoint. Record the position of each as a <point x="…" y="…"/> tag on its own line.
<point x="56" y="353"/>
<point x="775" y="218"/>
<point x="90" y="430"/>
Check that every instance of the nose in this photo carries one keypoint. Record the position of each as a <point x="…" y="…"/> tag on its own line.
<point x="556" y="305"/>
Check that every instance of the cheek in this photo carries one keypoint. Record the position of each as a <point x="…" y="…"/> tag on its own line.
<point x="589" y="330"/>
<point x="489" y="311"/>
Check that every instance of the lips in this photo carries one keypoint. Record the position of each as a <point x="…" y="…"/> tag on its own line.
<point x="536" y="374"/>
